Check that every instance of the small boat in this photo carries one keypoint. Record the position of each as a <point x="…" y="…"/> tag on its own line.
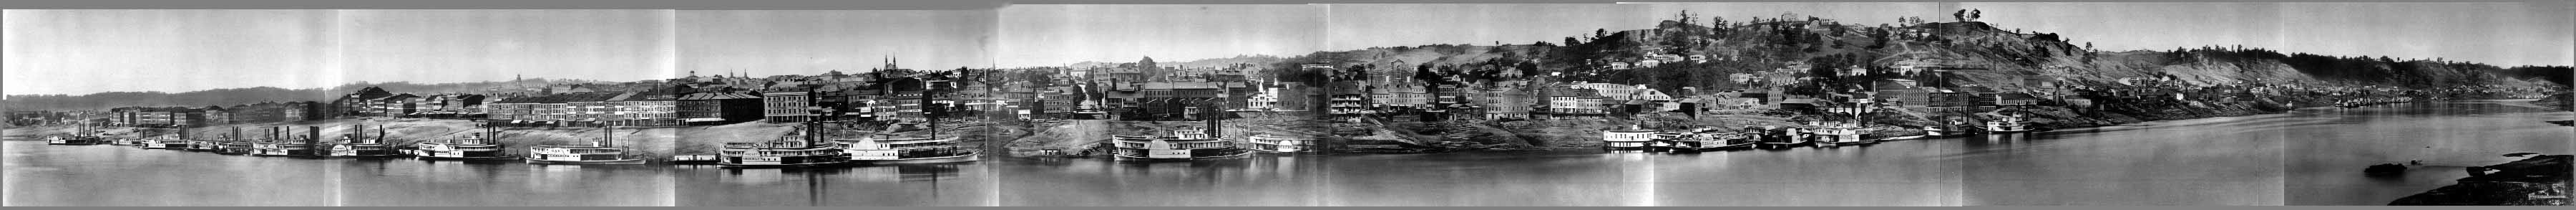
<point x="594" y="154"/>
<point x="1635" y="138"/>
<point x="358" y="145"/>
<point x="476" y="146"/>
<point x="1899" y="138"/>
<point x="1280" y="144"/>
<point x="804" y="150"/>
<point x="2010" y="124"/>
<point x="1182" y="144"/>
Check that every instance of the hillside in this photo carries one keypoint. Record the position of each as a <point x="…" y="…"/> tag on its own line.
<point x="232" y="96"/>
<point x="1998" y="54"/>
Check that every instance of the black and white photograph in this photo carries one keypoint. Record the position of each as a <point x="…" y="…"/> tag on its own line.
<point x="1298" y="105"/>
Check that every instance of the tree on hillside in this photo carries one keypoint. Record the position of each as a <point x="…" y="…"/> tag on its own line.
<point x="1598" y="33"/>
<point x="1974" y="14"/>
<point x="1962" y="15"/>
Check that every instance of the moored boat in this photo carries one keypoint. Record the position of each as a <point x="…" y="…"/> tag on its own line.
<point x="2010" y="124"/>
<point x="214" y="145"/>
<point x="581" y="155"/>
<point x="240" y="147"/>
<point x="291" y="146"/>
<point x="476" y="146"/>
<point x="803" y="150"/>
<point x="178" y="141"/>
<point x="83" y="135"/>
<point x="1840" y="135"/>
<point x="1778" y="137"/>
<point x="886" y="149"/>
<point x="1703" y="140"/>
<point x="1280" y="144"/>
<point x="358" y="145"/>
<point x="602" y="152"/>
<point x="1948" y="128"/>
<point x="1182" y="144"/>
<point x="1635" y="138"/>
<point x="906" y="150"/>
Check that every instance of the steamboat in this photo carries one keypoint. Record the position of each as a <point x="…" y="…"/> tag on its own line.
<point x="1181" y="144"/>
<point x="602" y="152"/>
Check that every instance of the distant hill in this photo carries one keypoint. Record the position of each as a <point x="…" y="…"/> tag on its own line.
<point x="232" y="96"/>
<point x="1767" y="44"/>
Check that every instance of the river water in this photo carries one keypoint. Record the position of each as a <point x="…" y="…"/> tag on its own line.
<point x="2305" y="157"/>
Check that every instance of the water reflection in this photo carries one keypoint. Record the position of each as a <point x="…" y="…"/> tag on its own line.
<point x="403" y="182"/>
<point x="888" y="185"/>
<point x="2325" y="166"/>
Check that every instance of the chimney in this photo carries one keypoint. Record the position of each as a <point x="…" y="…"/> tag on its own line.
<point x="236" y="134"/>
<point x="273" y="132"/>
<point x="608" y="136"/>
<point x="380" y="135"/>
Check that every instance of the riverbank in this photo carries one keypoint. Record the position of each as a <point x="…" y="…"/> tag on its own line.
<point x="2540" y="180"/>
<point x="2563" y="101"/>
<point x="652" y="143"/>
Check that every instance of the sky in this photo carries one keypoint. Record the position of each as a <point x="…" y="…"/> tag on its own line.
<point x="1057" y="35"/>
<point x="777" y="42"/>
<point x="2496" y="33"/>
<point x="496" y="45"/>
<point x="143" y="50"/>
<point x="187" y="50"/>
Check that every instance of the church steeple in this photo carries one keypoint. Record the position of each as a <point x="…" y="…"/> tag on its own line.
<point x="889" y="62"/>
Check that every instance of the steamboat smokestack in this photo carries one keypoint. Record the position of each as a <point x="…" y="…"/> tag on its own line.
<point x="313" y="135"/>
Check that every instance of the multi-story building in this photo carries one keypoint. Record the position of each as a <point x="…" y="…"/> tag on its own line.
<point x="786" y="107"/>
<point x="658" y="108"/>
<point x="719" y="107"/>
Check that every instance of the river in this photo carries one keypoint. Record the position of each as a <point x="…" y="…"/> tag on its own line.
<point x="2304" y="157"/>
